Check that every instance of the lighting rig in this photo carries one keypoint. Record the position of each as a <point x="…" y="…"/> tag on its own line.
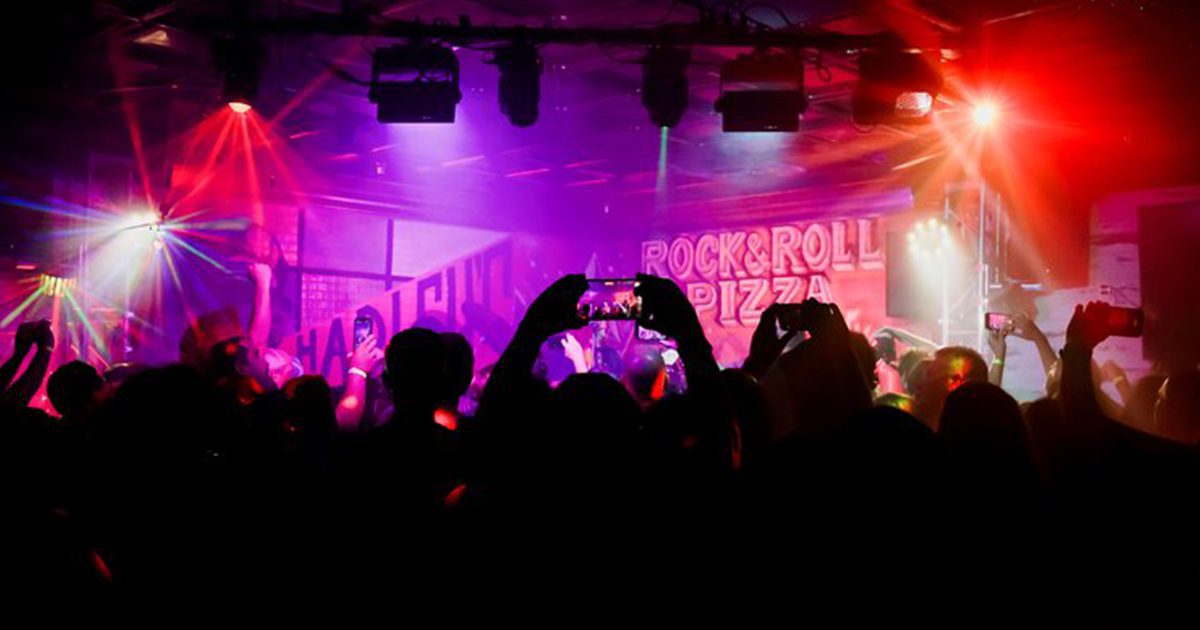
<point x="418" y="81"/>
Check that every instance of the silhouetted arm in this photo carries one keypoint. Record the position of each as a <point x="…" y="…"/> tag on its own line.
<point x="350" y="408"/>
<point x="9" y="369"/>
<point x="666" y="309"/>
<point x="999" y="345"/>
<point x="21" y="345"/>
<point x="511" y="387"/>
<point x="1086" y="330"/>
<point x="27" y="385"/>
<point x="1027" y="329"/>
<point x="766" y="345"/>
<point x="260" y="312"/>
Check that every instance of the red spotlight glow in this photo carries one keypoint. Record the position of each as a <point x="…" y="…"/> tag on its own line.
<point x="985" y="114"/>
<point x="239" y="107"/>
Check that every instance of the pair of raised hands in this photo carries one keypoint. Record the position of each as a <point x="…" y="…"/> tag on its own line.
<point x="822" y="321"/>
<point x="36" y="332"/>
<point x="665" y="308"/>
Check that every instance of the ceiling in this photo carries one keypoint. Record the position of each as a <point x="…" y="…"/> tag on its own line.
<point x="592" y="154"/>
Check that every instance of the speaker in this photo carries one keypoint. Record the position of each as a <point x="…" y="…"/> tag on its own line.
<point x="1169" y="256"/>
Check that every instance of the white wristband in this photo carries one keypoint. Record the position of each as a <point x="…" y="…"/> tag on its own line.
<point x="359" y="371"/>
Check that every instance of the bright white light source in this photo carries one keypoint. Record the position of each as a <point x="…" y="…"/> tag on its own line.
<point x="985" y="114"/>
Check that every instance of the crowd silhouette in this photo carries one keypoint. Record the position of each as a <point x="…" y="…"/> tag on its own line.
<point x="786" y="476"/>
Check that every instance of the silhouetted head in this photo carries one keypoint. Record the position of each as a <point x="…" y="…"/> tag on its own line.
<point x="416" y="369"/>
<point x="983" y="431"/>
<point x="163" y="414"/>
<point x="884" y="462"/>
<point x="197" y="343"/>
<point x="460" y="364"/>
<point x="73" y="387"/>
<point x="1051" y="439"/>
<point x="116" y="375"/>
<point x="308" y="405"/>
<point x="593" y="412"/>
<point x="645" y="373"/>
<point x="951" y="368"/>
<point x="958" y="365"/>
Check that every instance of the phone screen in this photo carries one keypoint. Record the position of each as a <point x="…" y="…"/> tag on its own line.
<point x="1125" y="322"/>
<point x="998" y="322"/>
<point x="610" y="299"/>
<point x="363" y="326"/>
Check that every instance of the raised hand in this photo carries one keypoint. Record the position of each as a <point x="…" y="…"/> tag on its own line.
<point x="26" y="333"/>
<point x="1089" y="325"/>
<point x="998" y="342"/>
<point x="43" y="335"/>
<point x="556" y="309"/>
<point x="766" y="345"/>
<point x="574" y="352"/>
<point x="260" y="273"/>
<point x="367" y="355"/>
<point x="1024" y="327"/>
<point x="824" y="321"/>
<point x="666" y="309"/>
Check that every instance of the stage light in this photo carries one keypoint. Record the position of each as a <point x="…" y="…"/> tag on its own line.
<point x="665" y="84"/>
<point x="894" y="87"/>
<point x="415" y="83"/>
<point x="238" y="57"/>
<point x="762" y="91"/>
<point x="930" y="239"/>
<point x="55" y="286"/>
<point x="520" y="89"/>
<point x="985" y="114"/>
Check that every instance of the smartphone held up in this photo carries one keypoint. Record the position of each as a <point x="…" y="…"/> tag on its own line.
<point x="363" y="327"/>
<point x="610" y="299"/>
<point x="1118" y="321"/>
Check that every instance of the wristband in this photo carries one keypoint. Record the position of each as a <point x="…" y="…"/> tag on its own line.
<point x="359" y="371"/>
<point x="998" y="362"/>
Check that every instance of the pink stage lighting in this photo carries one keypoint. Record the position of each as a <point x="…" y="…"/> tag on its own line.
<point x="239" y="107"/>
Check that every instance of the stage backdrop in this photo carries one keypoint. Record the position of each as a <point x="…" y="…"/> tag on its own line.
<point x="731" y="276"/>
<point x="472" y="294"/>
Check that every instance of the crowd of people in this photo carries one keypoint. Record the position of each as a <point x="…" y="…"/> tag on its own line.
<point x="787" y="477"/>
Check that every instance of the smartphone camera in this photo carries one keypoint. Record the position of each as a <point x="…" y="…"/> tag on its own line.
<point x="610" y="299"/>
<point x="999" y="322"/>
<point x="792" y="317"/>
<point x="1125" y="322"/>
<point x="363" y="327"/>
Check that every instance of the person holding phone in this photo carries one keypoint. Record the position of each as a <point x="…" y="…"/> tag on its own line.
<point x="363" y="360"/>
<point x="582" y="440"/>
